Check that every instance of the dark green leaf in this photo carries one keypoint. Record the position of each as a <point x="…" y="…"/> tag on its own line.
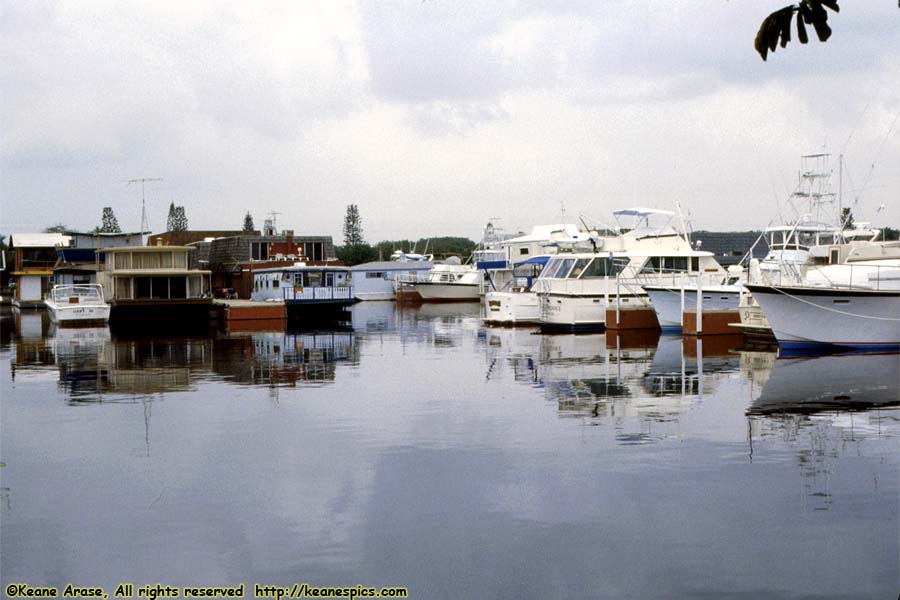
<point x="822" y="30"/>
<point x="801" y="30"/>
<point x="806" y="12"/>
<point x="832" y="4"/>
<point x="784" y="24"/>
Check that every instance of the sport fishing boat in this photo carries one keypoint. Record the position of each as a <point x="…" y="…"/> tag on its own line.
<point x="816" y="236"/>
<point x="77" y="305"/>
<point x="855" y="304"/>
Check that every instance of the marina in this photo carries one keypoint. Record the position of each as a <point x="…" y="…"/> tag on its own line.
<point x="450" y="300"/>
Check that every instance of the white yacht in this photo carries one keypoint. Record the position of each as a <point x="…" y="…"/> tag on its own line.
<point x="855" y="304"/>
<point x="83" y="305"/>
<point x="449" y="282"/>
<point x="576" y="289"/>
<point x="809" y="240"/>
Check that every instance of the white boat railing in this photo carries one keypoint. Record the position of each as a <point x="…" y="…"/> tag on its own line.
<point x="855" y="276"/>
<point x="676" y="278"/>
<point x="317" y="293"/>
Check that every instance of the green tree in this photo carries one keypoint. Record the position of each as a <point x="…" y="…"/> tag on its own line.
<point x="170" y="220"/>
<point x="58" y="228"/>
<point x="847" y="218"/>
<point x="110" y="223"/>
<point x="355" y="254"/>
<point x="353" y="233"/>
<point x="777" y="26"/>
<point x="248" y="223"/>
<point x="179" y="220"/>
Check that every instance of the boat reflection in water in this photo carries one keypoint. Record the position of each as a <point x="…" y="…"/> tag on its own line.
<point x="822" y="408"/>
<point x="285" y="358"/>
<point x="93" y="367"/>
<point x="841" y="383"/>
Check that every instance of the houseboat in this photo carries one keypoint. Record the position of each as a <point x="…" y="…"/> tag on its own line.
<point x="310" y="293"/>
<point x="153" y="284"/>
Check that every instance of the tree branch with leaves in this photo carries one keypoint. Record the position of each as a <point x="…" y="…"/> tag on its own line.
<point x="776" y="28"/>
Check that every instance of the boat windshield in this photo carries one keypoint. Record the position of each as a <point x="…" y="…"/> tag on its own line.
<point x="598" y="267"/>
<point x="559" y="268"/>
<point x="76" y="294"/>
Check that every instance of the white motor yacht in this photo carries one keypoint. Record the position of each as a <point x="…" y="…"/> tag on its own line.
<point x="448" y="282"/>
<point x="576" y="289"/>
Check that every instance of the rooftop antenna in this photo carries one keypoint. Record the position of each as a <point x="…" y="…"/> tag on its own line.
<point x="269" y="228"/>
<point x="145" y="227"/>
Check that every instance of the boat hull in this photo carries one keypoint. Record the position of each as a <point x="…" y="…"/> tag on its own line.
<point x="511" y="308"/>
<point x="571" y="311"/>
<point x="666" y="301"/>
<point x="807" y="318"/>
<point x="431" y="291"/>
<point x="78" y="315"/>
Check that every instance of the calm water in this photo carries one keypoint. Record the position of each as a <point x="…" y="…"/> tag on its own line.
<point x="421" y="449"/>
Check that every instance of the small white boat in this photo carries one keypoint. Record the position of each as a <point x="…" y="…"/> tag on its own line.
<point x="515" y="303"/>
<point x="450" y="283"/>
<point x="77" y="305"/>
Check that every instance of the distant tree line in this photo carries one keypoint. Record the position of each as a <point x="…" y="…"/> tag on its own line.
<point x="356" y="250"/>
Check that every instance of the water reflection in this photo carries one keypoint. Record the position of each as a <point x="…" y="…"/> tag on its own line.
<point x="425" y="440"/>
<point x="850" y="382"/>
<point x="285" y="358"/>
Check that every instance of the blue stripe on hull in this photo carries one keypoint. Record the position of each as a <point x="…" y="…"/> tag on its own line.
<point x="799" y="348"/>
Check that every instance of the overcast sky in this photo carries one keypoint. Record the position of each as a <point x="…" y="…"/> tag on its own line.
<point x="434" y="116"/>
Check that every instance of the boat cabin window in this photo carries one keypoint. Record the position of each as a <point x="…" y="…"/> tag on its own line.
<point x="528" y="270"/>
<point x="523" y="251"/>
<point x="651" y="266"/>
<point x="776" y="240"/>
<point x="603" y="267"/>
<point x="578" y="269"/>
<point x="805" y="239"/>
<point x="671" y="264"/>
<point x="560" y="268"/>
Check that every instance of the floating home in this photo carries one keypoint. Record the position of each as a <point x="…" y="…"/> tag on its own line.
<point x="154" y="283"/>
<point x="311" y="293"/>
